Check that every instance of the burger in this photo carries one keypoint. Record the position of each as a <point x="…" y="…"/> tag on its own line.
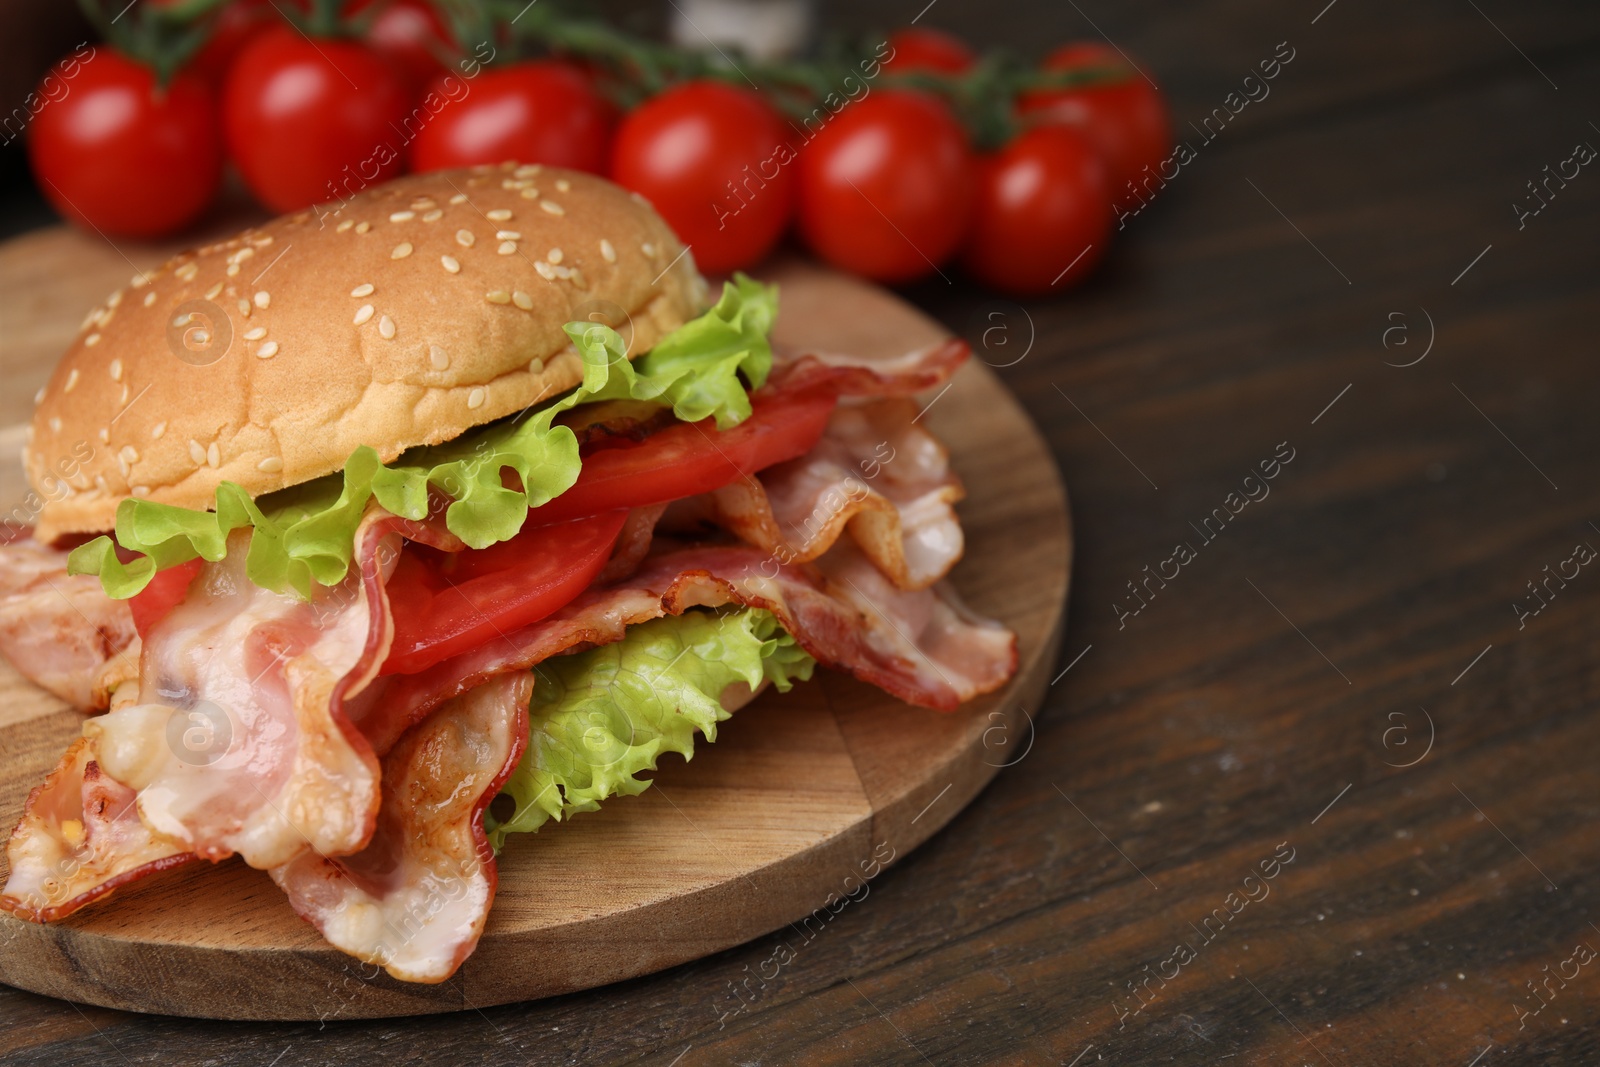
<point x="374" y="537"/>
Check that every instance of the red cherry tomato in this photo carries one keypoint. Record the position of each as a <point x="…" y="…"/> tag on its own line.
<point x="116" y="152"/>
<point x="714" y="160"/>
<point x="545" y="112"/>
<point x="1043" y="206"/>
<point x="919" y="48"/>
<point x="312" y="121"/>
<point x="687" y="459"/>
<point x="886" y="186"/>
<point x="410" y="34"/>
<point x="166" y="591"/>
<point x="1126" y="121"/>
<point x="446" y="603"/>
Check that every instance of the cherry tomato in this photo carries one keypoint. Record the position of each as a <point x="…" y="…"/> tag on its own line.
<point x="119" y="153"/>
<point x="166" y="591"/>
<point x="1043" y="206"/>
<point x="410" y="34"/>
<point x="919" y="48"/>
<point x="312" y="121"/>
<point x="444" y="603"/>
<point x="886" y="186"/>
<point x="1126" y="121"/>
<point x="544" y="112"/>
<point x="714" y="160"/>
<point x="687" y="459"/>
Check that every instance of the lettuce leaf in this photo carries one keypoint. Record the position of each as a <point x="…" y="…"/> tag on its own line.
<point x="306" y="534"/>
<point x="600" y="718"/>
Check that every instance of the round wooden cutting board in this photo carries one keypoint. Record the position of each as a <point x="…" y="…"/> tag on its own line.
<point x="802" y="795"/>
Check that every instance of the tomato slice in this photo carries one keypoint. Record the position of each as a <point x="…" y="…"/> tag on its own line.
<point x="687" y="459"/>
<point x="445" y="603"/>
<point x="166" y="591"/>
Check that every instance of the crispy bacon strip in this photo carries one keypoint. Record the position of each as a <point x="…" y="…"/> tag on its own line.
<point x="415" y="900"/>
<point x="922" y="646"/>
<point x="80" y="839"/>
<point x="875" y="472"/>
<point x="61" y="631"/>
<point x="919" y="369"/>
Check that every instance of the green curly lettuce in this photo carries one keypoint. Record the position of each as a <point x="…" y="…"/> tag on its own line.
<point x="306" y="534"/>
<point x="600" y="718"/>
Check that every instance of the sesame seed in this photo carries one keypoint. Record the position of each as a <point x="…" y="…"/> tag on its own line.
<point x="555" y="255"/>
<point x="476" y="397"/>
<point x="55" y="424"/>
<point x="578" y="279"/>
<point x="363" y="227"/>
<point x="536" y="366"/>
<point x="364" y="289"/>
<point x="522" y="300"/>
<point x="187" y="271"/>
<point x="546" y="271"/>
<point x="528" y="170"/>
<point x="508" y="248"/>
<point x="196" y="452"/>
<point x="267" y="350"/>
<point x="241" y="255"/>
<point x="464" y="238"/>
<point x="386" y="327"/>
<point x="149" y="298"/>
<point x="363" y="313"/>
<point x="608" y="253"/>
<point x="213" y="456"/>
<point x="129" y="454"/>
<point x="262" y="241"/>
<point x="552" y="207"/>
<point x="648" y="249"/>
<point x="255" y="333"/>
<point x="100" y="483"/>
<point x="232" y="271"/>
<point x="72" y="380"/>
<point x="530" y="194"/>
<point x="499" y="214"/>
<point x="344" y="226"/>
<point x="214" y="292"/>
<point x="459" y="198"/>
<point x="563" y="185"/>
<point x="124" y="466"/>
<point x="158" y="430"/>
<point x="139" y="490"/>
<point x="561" y="272"/>
<point x="402" y="216"/>
<point x="263" y="299"/>
<point x="115" y="299"/>
<point x="92" y="340"/>
<point x="138" y="281"/>
<point x="451" y="264"/>
<point x="123" y="399"/>
<point x="116" y="370"/>
<point x="498" y="296"/>
<point x="438" y="357"/>
<point x="433" y="216"/>
<point x="244" y="308"/>
<point x="104" y="435"/>
<point x="401" y="250"/>
<point x="202" y="337"/>
<point x="271" y="465"/>
<point x="508" y="235"/>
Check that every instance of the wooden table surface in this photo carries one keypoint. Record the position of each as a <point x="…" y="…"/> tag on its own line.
<point x="1107" y="899"/>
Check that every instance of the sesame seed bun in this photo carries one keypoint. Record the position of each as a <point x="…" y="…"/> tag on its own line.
<point x="403" y="316"/>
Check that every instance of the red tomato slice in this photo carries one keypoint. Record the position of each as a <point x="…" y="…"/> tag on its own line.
<point x="166" y="591"/>
<point x="445" y="603"/>
<point x="687" y="459"/>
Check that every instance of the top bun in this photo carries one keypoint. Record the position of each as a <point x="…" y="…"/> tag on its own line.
<point x="404" y="316"/>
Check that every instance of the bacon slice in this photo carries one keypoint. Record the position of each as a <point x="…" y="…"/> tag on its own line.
<point x="79" y="839"/>
<point x="415" y="900"/>
<point x="922" y="368"/>
<point x="61" y="631"/>
<point x="922" y="646"/>
<point x="874" y="471"/>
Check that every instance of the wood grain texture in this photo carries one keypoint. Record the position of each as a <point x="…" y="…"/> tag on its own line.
<point x="1208" y="730"/>
<point x="789" y="807"/>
